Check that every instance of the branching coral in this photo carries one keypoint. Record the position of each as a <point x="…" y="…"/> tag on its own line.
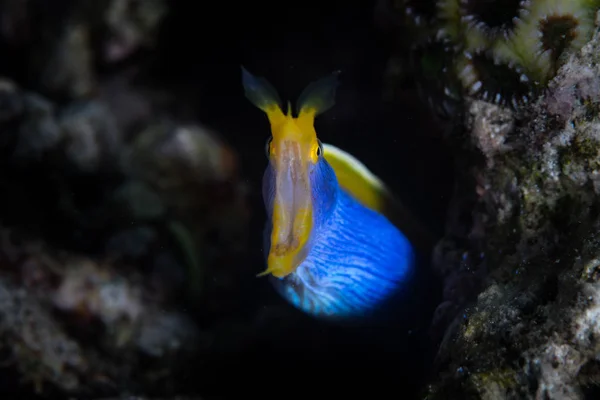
<point x="501" y="51"/>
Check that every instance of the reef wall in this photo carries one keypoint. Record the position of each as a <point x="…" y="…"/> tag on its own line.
<point x="520" y="258"/>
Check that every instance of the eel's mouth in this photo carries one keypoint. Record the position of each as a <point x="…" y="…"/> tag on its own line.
<point x="292" y="216"/>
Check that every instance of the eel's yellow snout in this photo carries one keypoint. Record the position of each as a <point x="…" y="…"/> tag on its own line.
<point x="292" y="217"/>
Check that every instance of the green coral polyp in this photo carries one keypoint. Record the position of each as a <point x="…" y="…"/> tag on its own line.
<point x="558" y="32"/>
<point x="492" y="17"/>
<point x="548" y="29"/>
<point x="503" y="51"/>
<point x="488" y="78"/>
<point x="451" y="26"/>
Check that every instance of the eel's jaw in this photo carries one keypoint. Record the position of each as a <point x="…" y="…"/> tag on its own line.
<point x="292" y="215"/>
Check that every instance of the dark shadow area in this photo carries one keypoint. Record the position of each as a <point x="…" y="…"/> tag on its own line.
<point x="291" y="45"/>
<point x="201" y="49"/>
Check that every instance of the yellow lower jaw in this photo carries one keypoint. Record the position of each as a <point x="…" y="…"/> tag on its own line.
<point x="292" y="227"/>
<point x="279" y="267"/>
<point x="282" y="265"/>
<point x="292" y="213"/>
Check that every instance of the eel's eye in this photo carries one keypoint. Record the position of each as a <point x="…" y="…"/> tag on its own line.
<point x="268" y="146"/>
<point x="319" y="148"/>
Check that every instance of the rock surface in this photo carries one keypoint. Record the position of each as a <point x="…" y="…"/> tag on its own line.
<point x="525" y="320"/>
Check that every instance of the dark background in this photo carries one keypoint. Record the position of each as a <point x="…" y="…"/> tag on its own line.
<point x="201" y="48"/>
<point x="291" y="44"/>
